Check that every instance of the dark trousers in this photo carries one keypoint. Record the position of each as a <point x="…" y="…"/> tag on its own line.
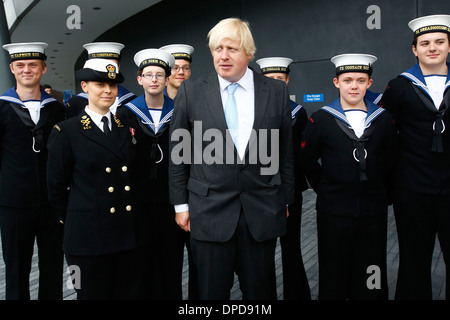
<point x="115" y="276"/>
<point x="168" y="241"/>
<point x="347" y="247"/>
<point x="192" y="268"/>
<point x="295" y="282"/>
<point x="419" y="217"/>
<point x="20" y="227"/>
<point x="252" y="261"/>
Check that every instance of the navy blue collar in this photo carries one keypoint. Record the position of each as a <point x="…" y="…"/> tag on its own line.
<point x="295" y="108"/>
<point x="415" y="75"/>
<point x="335" y="109"/>
<point x="11" y="96"/>
<point x="139" y="107"/>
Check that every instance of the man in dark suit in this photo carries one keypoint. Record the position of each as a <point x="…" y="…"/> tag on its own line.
<point x="27" y="115"/>
<point x="228" y="196"/>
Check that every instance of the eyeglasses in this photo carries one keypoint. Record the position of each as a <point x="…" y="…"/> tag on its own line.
<point x="149" y="76"/>
<point x="184" y="68"/>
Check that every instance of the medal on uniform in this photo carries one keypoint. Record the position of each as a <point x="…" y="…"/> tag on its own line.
<point x="133" y="139"/>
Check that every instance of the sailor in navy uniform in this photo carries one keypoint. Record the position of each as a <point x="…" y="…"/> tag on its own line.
<point x="182" y="71"/>
<point x="355" y="141"/>
<point x="100" y="50"/>
<point x="419" y="99"/>
<point x="26" y="119"/>
<point x="91" y="180"/>
<point x="295" y="282"/>
<point x="150" y="115"/>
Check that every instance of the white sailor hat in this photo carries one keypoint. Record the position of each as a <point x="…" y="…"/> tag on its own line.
<point x="99" y="70"/>
<point x="427" y="24"/>
<point x="274" y="65"/>
<point x="104" y="50"/>
<point x="353" y="62"/>
<point x="26" y="50"/>
<point x="155" y="57"/>
<point x="179" y="51"/>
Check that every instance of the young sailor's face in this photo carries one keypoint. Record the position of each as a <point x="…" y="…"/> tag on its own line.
<point x="353" y="86"/>
<point x="178" y="76"/>
<point x="153" y="79"/>
<point x="432" y="48"/>
<point x="28" y="72"/>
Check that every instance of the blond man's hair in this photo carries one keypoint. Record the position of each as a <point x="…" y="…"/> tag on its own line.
<point x="234" y="29"/>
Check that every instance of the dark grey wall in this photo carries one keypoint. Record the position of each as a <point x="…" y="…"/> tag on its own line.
<point x="309" y="32"/>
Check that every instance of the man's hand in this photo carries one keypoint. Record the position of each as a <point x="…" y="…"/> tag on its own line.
<point x="182" y="219"/>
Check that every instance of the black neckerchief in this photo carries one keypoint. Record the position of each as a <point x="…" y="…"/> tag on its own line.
<point x="359" y="153"/>
<point x="438" y="125"/>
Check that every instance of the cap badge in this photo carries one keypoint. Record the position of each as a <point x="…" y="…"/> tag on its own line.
<point x="111" y="71"/>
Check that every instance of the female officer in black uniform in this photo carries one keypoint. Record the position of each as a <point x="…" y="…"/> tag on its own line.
<point x="90" y="183"/>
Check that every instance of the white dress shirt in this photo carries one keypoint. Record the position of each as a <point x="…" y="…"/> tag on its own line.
<point x="97" y="117"/>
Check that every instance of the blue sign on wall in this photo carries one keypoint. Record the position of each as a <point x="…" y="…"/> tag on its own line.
<point x="313" y="97"/>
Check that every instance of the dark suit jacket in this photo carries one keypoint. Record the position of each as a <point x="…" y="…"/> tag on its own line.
<point x="217" y="192"/>
<point x="99" y="170"/>
<point x="22" y="170"/>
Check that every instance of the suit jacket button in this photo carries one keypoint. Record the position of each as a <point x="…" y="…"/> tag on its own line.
<point x="108" y="169"/>
<point x="111" y="189"/>
<point x="112" y="210"/>
<point x="124" y="168"/>
<point x="128" y="208"/>
<point x="127" y="188"/>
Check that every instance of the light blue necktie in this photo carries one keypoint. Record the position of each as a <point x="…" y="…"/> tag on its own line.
<point x="231" y="114"/>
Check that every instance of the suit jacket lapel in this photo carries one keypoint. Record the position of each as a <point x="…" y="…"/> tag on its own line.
<point x="91" y="131"/>
<point x="214" y="102"/>
<point x="261" y="98"/>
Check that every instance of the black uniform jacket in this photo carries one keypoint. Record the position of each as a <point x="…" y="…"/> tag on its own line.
<point x="23" y="150"/>
<point x="419" y="168"/>
<point x="91" y="182"/>
<point x="337" y="178"/>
